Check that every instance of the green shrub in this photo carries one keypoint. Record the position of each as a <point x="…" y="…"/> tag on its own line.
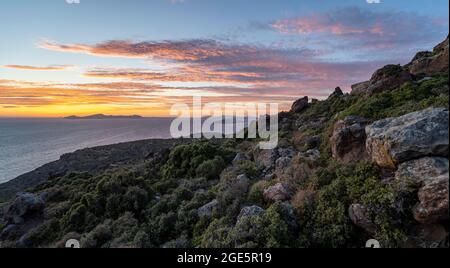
<point x="256" y="193"/>
<point x="211" y="169"/>
<point x="406" y="99"/>
<point x="185" y="159"/>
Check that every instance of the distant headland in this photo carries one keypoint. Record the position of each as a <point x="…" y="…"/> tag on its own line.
<point x="102" y="116"/>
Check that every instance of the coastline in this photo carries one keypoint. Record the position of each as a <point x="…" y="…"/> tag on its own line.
<point x="94" y="160"/>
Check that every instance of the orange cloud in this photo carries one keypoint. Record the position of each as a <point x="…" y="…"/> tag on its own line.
<point x="191" y="50"/>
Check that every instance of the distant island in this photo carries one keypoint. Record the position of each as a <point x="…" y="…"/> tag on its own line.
<point x="102" y="116"/>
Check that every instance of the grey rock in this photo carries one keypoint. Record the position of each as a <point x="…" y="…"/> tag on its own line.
<point x="433" y="205"/>
<point x="251" y="211"/>
<point x="424" y="170"/>
<point x="393" y="141"/>
<point x="207" y="210"/>
<point x="25" y="205"/>
<point x="242" y="179"/>
<point x="359" y="216"/>
<point x="281" y="166"/>
<point x="348" y="141"/>
<point x="279" y="192"/>
<point x="265" y="159"/>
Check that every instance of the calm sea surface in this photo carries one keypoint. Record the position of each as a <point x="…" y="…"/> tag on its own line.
<point x="26" y="144"/>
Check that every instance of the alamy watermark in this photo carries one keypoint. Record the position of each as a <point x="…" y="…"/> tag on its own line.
<point x="226" y="120"/>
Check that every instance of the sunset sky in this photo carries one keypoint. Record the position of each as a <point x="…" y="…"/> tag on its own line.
<point x="141" y="57"/>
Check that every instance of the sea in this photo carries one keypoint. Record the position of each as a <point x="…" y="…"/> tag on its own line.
<point x="26" y="144"/>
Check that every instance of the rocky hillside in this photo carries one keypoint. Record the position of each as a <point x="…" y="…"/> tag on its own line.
<point x="93" y="160"/>
<point x="370" y="164"/>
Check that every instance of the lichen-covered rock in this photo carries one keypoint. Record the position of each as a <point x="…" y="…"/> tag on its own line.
<point x="249" y="212"/>
<point x="395" y="140"/>
<point x="359" y="216"/>
<point x="25" y="205"/>
<point x="279" y="192"/>
<point x="433" y="205"/>
<point x="207" y="210"/>
<point x="265" y="159"/>
<point x="423" y="170"/>
<point x="300" y="105"/>
<point x="348" y="142"/>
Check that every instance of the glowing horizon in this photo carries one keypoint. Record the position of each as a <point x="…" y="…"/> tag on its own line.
<point x="135" y="57"/>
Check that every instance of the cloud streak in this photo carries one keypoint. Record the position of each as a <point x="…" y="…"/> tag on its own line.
<point x="38" y="68"/>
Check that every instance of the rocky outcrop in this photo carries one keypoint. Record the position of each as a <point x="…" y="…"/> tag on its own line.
<point x="359" y="216"/>
<point x="430" y="175"/>
<point x="431" y="63"/>
<point x="387" y="78"/>
<point x="300" y="105"/>
<point x="348" y="142"/>
<point x="360" y="88"/>
<point x="395" y="140"/>
<point x="279" y="192"/>
<point x="433" y="197"/>
<point x="206" y="211"/>
<point x="265" y="159"/>
<point x="337" y="93"/>
<point x="251" y="211"/>
<point x="423" y="170"/>
<point x="24" y="206"/>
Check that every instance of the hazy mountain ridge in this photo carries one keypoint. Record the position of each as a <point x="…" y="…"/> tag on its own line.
<point x="102" y="116"/>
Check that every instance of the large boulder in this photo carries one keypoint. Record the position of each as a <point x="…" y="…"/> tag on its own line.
<point x="359" y="216"/>
<point x="393" y="141"/>
<point x="430" y="174"/>
<point x="431" y="63"/>
<point x="423" y="170"/>
<point x="279" y="192"/>
<point x="433" y="197"/>
<point x="25" y="205"/>
<point x="265" y="159"/>
<point x="300" y="105"/>
<point x="348" y="142"/>
<point x="387" y="78"/>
